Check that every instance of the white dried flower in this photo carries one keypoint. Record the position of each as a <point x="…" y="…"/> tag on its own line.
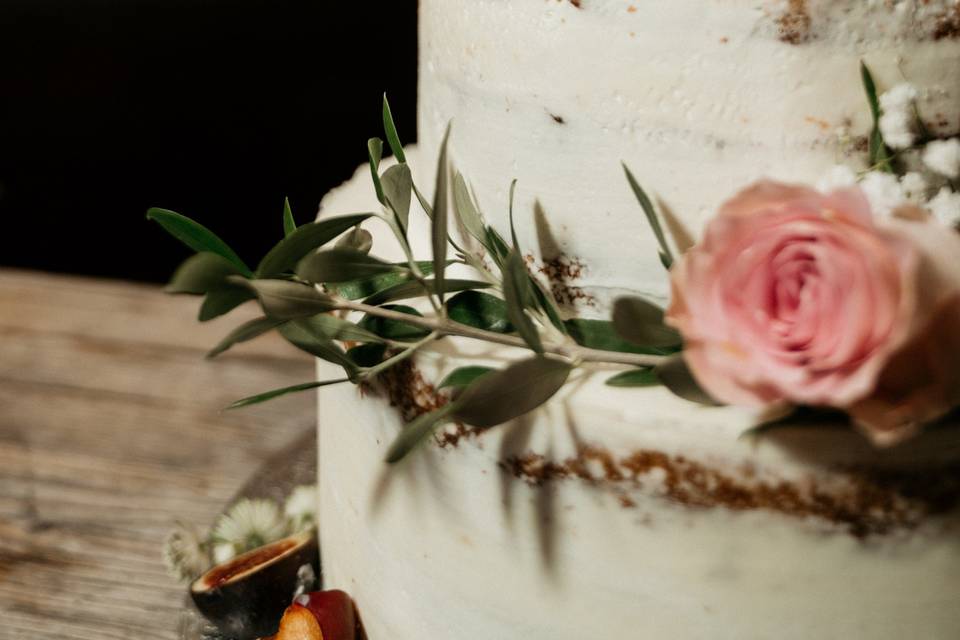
<point x="884" y="192"/>
<point x="943" y="157"/>
<point x="223" y="552"/>
<point x="837" y="177"/>
<point x="914" y="187"/>
<point x="898" y="120"/>
<point x="184" y="553"/>
<point x="250" y="524"/>
<point x="945" y="207"/>
<point x="301" y="507"/>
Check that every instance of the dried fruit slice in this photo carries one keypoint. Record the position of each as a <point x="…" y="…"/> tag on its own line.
<point x="298" y="623"/>
<point x="334" y="610"/>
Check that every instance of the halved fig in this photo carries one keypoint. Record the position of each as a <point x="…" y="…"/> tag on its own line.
<point x="245" y="597"/>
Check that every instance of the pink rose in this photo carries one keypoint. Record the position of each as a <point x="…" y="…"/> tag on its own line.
<point x="800" y="297"/>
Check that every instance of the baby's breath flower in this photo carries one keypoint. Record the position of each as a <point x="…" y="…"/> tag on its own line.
<point x="943" y="157"/>
<point x="837" y="177"/>
<point x="914" y="187"/>
<point x="899" y="121"/>
<point x="250" y="524"/>
<point x="884" y="192"/>
<point x="301" y="507"/>
<point x="945" y="207"/>
<point x="184" y="554"/>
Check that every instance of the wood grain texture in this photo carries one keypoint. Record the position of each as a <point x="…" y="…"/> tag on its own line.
<point x="110" y="429"/>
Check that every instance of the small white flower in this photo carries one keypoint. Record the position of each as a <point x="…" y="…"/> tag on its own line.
<point x="837" y="177"/>
<point x="250" y="524"/>
<point x="897" y="119"/>
<point x="884" y="193"/>
<point x="184" y="554"/>
<point x="223" y="552"/>
<point x="943" y="157"/>
<point x="301" y="507"/>
<point x="945" y="207"/>
<point x="914" y="187"/>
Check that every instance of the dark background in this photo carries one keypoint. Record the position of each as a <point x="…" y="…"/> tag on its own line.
<point x="213" y="108"/>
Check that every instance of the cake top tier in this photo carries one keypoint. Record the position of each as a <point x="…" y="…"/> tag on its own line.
<point x="699" y="97"/>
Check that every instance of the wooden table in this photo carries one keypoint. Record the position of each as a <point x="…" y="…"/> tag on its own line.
<point x="110" y="429"/>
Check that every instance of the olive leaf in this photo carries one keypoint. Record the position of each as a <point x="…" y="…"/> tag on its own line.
<point x="276" y="393"/>
<point x="224" y="300"/>
<point x="341" y="265"/>
<point x="438" y="227"/>
<point x="497" y="246"/>
<point x="289" y="224"/>
<point x="546" y="301"/>
<point x="247" y="331"/>
<point x="675" y="375"/>
<point x="463" y="376"/>
<point x="358" y="239"/>
<point x="641" y="322"/>
<point x="306" y="338"/>
<point x="517" y="294"/>
<point x="356" y="289"/>
<point x="467" y="211"/>
<point x="503" y="395"/>
<point x="480" y="310"/>
<point x="202" y="272"/>
<point x="368" y="355"/>
<point x="397" y="183"/>
<point x="308" y="237"/>
<point x="334" y="328"/>
<point x="878" y="152"/>
<point x="645" y="377"/>
<point x="602" y="335"/>
<point x="394" y="329"/>
<point x="666" y="254"/>
<point x="390" y="129"/>
<point x="513" y="230"/>
<point x="375" y="154"/>
<point x="196" y="236"/>
<point x="285" y="300"/>
<point x="417" y="432"/>
<point x="414" y="289"/>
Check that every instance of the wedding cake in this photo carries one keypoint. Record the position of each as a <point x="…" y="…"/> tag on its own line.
<point x="615" y="512"/>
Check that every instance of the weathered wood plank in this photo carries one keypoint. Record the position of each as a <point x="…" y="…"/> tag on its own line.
<point x="110" y="428"/>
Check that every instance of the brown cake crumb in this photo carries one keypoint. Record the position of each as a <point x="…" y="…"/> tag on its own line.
<point x="575" y="3"/>
<point x="869" y="503"/>
<point x="947" y="25"/>
<point x="560" y="272"/>
<point x="794" y="24"/>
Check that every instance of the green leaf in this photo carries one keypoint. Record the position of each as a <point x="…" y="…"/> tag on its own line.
<point x="394" y="329"/>
<point x="417" y="432"/>
<point x="390" y="129"/>
<point x="467" y="211"/>
<point x="545" y="301"/>
<point x="879" y="154"/>
<point x="480" y="310"/>
<point x="285" y="300"/>
<point x="397" y="183"/>
<point x="513" y="230"/>
<point x="601" y="334"/>
<point x="414" y="289"/>
<point x="641" y="322"/>
<point x="334" y="328"/>
<point x="222" y="301"/>
<point x="375" y="154"/>
<point x="196" y="236"/>
<point x="497" y="246"/>
<point x="368" y="355"/>
<point x="308" y="237"/>
<point x="666" y="255"/>
<point x="202" y="273"/>
<point x="509" y="393"/>
<point x="304" y="337"/>
<point x="517" y="294"/>
<point x="463" y="376"/>
<point x="341" y="265"/>
<point x="645" y="377"/>
<point x="247" y="331"/>
<point x="289" y="224"/>
<point x="674" y="374"/>
<point x="276" y="393"/>
<point x="357" y="289"/>
<point x="438" y="228"/>
<point x="358" y="239"/>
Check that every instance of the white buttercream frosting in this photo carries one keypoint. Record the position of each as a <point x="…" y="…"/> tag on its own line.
<point x="700" y="98"/>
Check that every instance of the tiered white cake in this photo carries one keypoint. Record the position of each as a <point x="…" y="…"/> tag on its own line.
<point x="631" y="513"/>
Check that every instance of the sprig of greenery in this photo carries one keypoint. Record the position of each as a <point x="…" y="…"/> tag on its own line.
<point x="320" y="277"/>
